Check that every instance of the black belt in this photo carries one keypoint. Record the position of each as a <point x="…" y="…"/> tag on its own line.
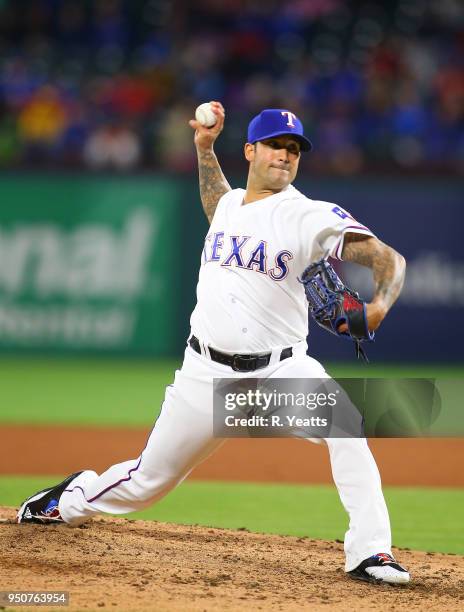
<point x="240" y="363"/>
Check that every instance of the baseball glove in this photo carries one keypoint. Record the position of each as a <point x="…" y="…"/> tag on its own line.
<point x="331" y="303"/>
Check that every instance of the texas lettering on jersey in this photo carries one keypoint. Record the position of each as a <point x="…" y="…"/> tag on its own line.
<point x="242" y="252"/>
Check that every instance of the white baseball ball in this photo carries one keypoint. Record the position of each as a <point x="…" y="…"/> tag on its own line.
<point x="205" y="115"/>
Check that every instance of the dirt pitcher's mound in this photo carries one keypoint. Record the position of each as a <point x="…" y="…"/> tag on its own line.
<point x="136" y="565"/>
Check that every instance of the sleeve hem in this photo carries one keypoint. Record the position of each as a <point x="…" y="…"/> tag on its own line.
<point x="336" y="252"/>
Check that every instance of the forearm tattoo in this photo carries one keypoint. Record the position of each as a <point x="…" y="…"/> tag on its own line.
<point x="213" y="183"/>
<point x="387" y="265"/>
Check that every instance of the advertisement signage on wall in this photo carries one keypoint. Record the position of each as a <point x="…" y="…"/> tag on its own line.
<point x="110" y="265"/>
<point x="85" y="264"/>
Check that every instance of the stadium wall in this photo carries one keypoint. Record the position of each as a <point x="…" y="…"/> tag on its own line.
<point x="108" y="265"/>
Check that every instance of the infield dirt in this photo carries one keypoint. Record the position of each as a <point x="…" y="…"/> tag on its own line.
<point x="119" y="564"/>
<point x="402" y="461"/>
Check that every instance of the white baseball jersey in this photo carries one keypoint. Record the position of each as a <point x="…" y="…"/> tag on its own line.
<point x="249" y="296"/>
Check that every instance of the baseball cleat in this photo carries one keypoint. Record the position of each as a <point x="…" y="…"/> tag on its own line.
<point x="42" y="507"/>
<point x="381" y="567"/>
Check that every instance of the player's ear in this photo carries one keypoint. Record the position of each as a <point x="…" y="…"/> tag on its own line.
<point x="249" y="151"/>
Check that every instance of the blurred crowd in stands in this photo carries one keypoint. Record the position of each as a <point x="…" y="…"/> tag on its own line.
<point x="112" y="83"/>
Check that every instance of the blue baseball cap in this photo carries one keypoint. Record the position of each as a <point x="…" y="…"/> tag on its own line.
<point x="277" y="122"/>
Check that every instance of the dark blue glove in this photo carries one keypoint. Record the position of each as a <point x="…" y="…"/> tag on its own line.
<point x="331" y="304"/>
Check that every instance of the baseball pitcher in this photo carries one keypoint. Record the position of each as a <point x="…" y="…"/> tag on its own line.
<point x="250" y="320"/>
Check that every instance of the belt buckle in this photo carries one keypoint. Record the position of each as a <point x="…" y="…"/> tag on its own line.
<point x="236" y="359"/>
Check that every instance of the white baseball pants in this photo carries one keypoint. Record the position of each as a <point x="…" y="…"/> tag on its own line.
<point x="183" y="437"/>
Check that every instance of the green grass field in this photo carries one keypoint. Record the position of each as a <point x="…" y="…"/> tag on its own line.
<point x="312" y="511"/>
<point x="124" y="392"/>
<point x="127" y="393"/>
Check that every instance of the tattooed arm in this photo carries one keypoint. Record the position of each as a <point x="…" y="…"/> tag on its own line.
<point x="388" y="268"/>
<point x="213" y="183"/>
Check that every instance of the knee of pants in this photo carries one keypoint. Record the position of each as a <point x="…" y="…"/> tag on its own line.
<point x="153" y="485"/>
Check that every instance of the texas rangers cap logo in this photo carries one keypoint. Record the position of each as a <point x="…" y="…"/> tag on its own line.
<point x="290" y="118"/>
<point x="277" y="122"/>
